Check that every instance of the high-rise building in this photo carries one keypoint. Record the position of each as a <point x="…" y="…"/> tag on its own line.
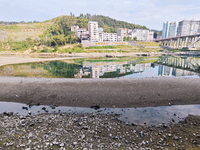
<point x="93" y="31"/>
<point x="169" y="29"/>
<point x="165" y="29"/>
<point x="188" y="27"/>
<point x="173" y="27"/>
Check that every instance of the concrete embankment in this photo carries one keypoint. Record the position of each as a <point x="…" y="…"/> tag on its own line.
<point x="123" y="93"/>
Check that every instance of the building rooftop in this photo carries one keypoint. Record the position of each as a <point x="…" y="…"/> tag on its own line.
<point x="92" y="22"/>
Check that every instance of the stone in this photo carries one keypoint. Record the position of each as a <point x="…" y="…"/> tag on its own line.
<point x="175" y="137"/>
<point x="75" y="143"/>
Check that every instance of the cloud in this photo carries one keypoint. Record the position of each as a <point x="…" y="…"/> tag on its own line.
<point x="151" y="13"/>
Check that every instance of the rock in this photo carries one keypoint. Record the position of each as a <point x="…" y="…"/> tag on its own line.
<point x="32" y="124"/>
<point x="26" y="108"/>
<point x="22" y="117"/>
<point x="29" y="112"/>
<point x="43" y="108"/>
<point x="175" y="137"/>
<point x="75" y="143"/>
<point x="95" y="107"/>
<point x="142" y="133"/>
<point x="83" y="136"/>
<point x="67" y="140"/>
<point x="55" y="143"/>
<point x="8" y="114"/>
<point x="61" y="144"/>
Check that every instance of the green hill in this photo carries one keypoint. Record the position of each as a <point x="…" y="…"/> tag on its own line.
<point x="54" y="32"/>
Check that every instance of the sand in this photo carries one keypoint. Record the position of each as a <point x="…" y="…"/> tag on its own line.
<point x="121" y="93"/>
<point x="7" y="60"/>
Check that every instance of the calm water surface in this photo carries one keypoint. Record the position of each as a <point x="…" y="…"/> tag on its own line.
<point x="123" y="67"/>
<point x="140" y="116"/>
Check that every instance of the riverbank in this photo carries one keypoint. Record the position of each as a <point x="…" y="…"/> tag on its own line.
<point x="15" y="58"/>
<point x="7" y="60"/>
<point x="94" y="131"/>
<point x="121" y="93"/>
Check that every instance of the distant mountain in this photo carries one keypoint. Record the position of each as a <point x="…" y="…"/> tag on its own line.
<point x="63" y="23"/>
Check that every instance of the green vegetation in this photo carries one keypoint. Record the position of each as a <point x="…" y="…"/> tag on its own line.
<point x="54" y="32"/>
<point x="114" y="75"/>
<point x="148" y="43"/>
<point x="100" y="47"/>
<point x="61" y="69"/>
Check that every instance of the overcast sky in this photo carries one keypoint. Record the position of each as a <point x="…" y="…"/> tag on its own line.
<point x="151" y="13"/>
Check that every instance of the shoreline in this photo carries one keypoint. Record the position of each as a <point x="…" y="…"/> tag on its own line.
<point x="106" y="93"/>
<point x="16" y="58"/>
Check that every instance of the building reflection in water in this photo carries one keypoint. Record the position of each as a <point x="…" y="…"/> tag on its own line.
<point x="169" y="66"/>
<point x="97" y="69"/>
<point x="169" y="71"/>
<point x="181" y="65"/>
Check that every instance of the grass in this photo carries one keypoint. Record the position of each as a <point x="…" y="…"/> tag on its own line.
<point x="100" y="47"/>
<point x="17" y="33"/>
<point x="148" y="43"/>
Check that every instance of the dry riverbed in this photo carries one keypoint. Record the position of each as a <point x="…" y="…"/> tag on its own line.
<point x="93" y="131"/>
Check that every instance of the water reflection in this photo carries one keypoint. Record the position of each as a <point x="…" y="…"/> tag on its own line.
<point x="138" y="67"/>
<point x="139" y="116"/>
<point x="111" y="69"/>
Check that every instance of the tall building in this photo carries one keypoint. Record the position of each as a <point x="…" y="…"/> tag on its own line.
<point x="142" y="35"/>
<point x="165" y="29"/>
<point x="188" y="27"/>
<point x="169" y="29"/>
<point x="93" y="31"/>
<point x="173" y="27"/>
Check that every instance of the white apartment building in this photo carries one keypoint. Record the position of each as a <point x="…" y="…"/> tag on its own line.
<point x="109" y="36"/>
<point x="74" y="29"/>
<point x="81" y="31"/>
<point x="188" y="27"/>
<point x="142" y="35"/>
<point x="93" y="31"/>
<point x="100" y="32"/>
<point x="122" y="32"/>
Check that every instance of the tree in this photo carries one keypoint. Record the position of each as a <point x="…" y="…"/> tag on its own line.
<point x="125" y="39"/>
<point x="128" y="38"/>
<point x="135" y="38"/>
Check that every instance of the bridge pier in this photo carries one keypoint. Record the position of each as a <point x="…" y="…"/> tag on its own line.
<point x="171" y="43"/>
<point x="178" y="43"/>
<point x="181" y="42"/>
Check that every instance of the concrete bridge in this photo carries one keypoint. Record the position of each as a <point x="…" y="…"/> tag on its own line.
<point x="181" y="42"/>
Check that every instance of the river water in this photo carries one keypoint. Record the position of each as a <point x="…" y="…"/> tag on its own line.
<point x="123" y="67"/>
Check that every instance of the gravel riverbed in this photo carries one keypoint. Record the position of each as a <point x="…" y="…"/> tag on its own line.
<point x="93" y="131"/>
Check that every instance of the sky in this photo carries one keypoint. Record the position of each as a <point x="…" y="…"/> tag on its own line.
<point x="150" y="13"/>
